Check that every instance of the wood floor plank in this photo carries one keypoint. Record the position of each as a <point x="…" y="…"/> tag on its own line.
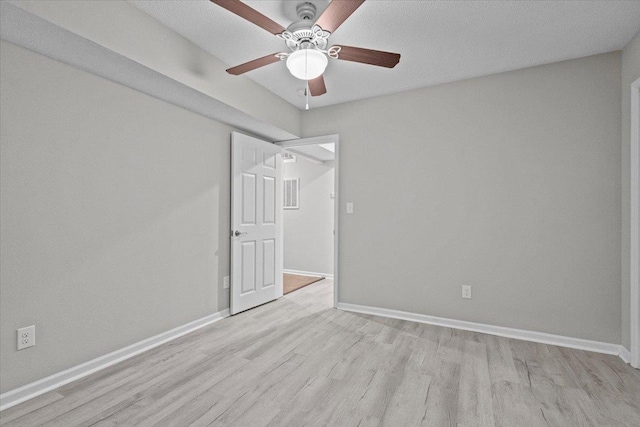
<point x="299" y="362"/>
<point x="29" y="406"/>
<point x="515" y="406"/>
<point x="199" y="380"/>
<point x="500" y="359"/>
<point x="122" y="396"/>
<point x="474" y="393"/>
<point x="442" y="398"/>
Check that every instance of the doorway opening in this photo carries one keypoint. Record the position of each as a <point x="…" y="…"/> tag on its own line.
<point x="310" y="207"/>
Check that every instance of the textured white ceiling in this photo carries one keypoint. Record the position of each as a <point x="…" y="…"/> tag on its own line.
<point x="440" y="41"/>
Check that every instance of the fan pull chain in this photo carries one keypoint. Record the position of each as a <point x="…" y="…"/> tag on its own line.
<point x="306" y="92"/>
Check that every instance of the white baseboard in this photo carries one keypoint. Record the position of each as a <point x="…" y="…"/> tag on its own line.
<point x="308" y="273"/>
<point x="625" y="354"/>
<point x="31" y="390"/>
<point x="539" y="337"/>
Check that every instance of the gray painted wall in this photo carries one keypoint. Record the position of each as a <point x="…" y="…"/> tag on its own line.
<point x="509" y="183"/>
<point x="630" y="73"/>
<point x="114" y="211"/>
<point x="308" y="231"/>
<point x="114" y="205"/>
<point x="114" y="24"/>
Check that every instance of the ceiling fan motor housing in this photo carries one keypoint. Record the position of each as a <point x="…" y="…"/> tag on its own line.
<point x="306" y="11"/>
<point x="305" y="33"/>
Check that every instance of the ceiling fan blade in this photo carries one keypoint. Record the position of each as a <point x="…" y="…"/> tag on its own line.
<point x="336" y="13"/>
<point x="250" y="14"/>
<point x="368" y="56"/>
<point x="252" y="65"/>
<point x="317" y="87"/>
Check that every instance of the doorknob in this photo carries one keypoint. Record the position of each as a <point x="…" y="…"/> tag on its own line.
<point x="239" y="233"/>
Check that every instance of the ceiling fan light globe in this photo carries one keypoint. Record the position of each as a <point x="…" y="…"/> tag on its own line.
<point x="307" y="64"/>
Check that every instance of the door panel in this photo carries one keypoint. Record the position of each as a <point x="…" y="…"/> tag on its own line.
<point x="248" y="199"/>
<point x="269" y="209"/>
<point x="269" y="263"/>
<point x="256" y="216"/>
<point x="248" y="272"/>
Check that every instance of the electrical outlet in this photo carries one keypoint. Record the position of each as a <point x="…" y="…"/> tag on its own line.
<point x="26" y="337"/>
<point x="349" y="208"/>
<point x="225" y="282"/>
<point x="466" y="292"/>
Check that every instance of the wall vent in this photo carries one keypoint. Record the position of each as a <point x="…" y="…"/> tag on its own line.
<point x="291" y="193"/>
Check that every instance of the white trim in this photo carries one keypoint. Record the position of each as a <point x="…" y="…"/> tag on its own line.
<point x="326" y="139"/>
<point x="520" y="334"/>
<point x="625" y="354"/>
<point x="314" y="140"/>
<point x="336" y="218"/>
<point x="308" y="273"/>
<point x="36" y="388"/>
<point x="634" y="258"/>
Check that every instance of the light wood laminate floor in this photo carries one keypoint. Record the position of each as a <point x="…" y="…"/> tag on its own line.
<point x="298" y="362"/>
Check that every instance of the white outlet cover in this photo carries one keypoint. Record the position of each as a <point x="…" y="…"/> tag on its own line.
<point x="349" y="208"/>
<point x="26" y="337"/>
<point x="225" y="282"/>
<point x="466" y="292"/>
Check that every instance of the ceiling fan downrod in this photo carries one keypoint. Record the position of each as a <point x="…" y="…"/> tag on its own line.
<point x="306" y="11"/>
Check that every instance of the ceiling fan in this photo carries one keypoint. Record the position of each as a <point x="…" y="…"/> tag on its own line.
<point x="307" y="41"/>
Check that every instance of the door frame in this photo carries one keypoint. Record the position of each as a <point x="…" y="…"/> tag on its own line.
<point x="326" y="139"/>
<point x="635" y="224"/>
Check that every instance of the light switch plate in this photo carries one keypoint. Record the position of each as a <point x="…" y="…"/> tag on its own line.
<point x="349" y="208"/>
<point x="225" y="282"/>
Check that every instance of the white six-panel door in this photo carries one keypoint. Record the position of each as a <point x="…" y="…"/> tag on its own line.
<point x="256" y="222"/>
